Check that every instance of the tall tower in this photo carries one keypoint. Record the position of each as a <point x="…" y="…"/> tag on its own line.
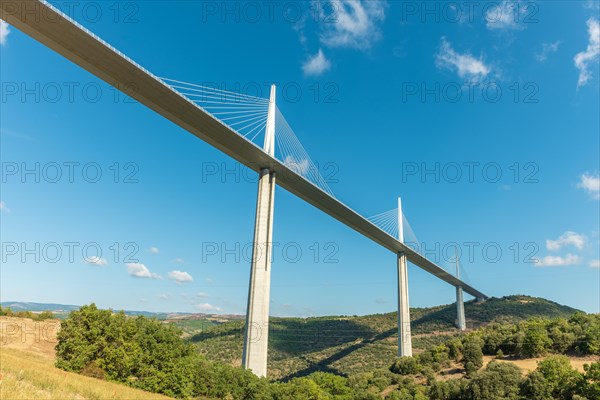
<point x="404" y="335"/>
<point x="256" y="338"/>
<point x="460" y="305"/>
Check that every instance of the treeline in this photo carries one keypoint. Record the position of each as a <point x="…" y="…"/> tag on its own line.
<point x="149" y="355"/>
<point x="538" y="336"/>
<point x="553" y="379"/>
<point x="6" y="311"/>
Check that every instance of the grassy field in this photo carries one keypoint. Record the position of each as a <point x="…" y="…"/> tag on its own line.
<point x="26" y="375"/>
<point x="27" y="368"/>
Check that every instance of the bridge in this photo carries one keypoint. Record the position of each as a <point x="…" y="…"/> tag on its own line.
<point x="231" y="122"/>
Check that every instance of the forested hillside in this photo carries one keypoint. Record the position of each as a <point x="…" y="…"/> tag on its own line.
<point x="344" y="345"/>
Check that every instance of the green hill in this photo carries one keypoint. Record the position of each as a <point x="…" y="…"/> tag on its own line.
<point x="345" y="345"/>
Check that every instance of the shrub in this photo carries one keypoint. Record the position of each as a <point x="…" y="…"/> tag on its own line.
<point x="499" y="381"/>
<point x="554" y="378"/>
<point x="405" y="366"/>
<point x="536" y="341"/>
<point x="472" y="353"/>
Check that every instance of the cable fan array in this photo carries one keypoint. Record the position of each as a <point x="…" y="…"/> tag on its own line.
<point x="247" y="116"/>
<point x="293" y="155"/>
<point x="244" y="114"/>
<point x="388" y="222"/>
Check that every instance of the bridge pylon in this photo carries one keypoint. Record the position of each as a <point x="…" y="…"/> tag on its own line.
<point x="404" y="334"/>
<point x="460" y="304"/>
<point x="256" y="336"/>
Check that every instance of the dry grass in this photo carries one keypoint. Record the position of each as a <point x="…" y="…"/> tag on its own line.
<point x="38" y="337"/>
<point x="529" y="364"/>
<point x="25" y="375"/>
<point x="27" y="368"/>
<point x="456" y="370"/>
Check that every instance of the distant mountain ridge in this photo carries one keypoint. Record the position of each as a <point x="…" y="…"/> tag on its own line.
<point x="34" y="307"/>
<point x="67" y="308"/>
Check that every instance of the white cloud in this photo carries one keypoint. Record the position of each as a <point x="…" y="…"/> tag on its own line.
<point x="506" y="15"/>
<point x="300" y="167"/>
<point x="154" y="250"/>
<point x="209" y="281"/>
<point x="591" y="184"/>
<point x="95" y="260"/>
<point x="592" y="4"/>
<point x="207" y="307"/>
<point x="568" y="238"/>
<point x="139" y="270"/>
<point x="3" y="207"/>
<point x="164" y="296"/>
<point x="180" y="276"/>
<point x="590" y="55"/>
<point x="558" y="261"/>
<point x="178" y="261"/>
<point x="594" y="263"/>
<point x="351" y="23"/>
<point x="316" y="65"/>
<point x="547" y="48"/>
<point x="202" y="295"/>
<point x="465" y="64"/>
<point x="4" y="32"/>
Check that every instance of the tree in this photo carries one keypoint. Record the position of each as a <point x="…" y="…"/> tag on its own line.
<point x="6" y="311"/>
<point x="451" y="389"/>
<point x="45" y="315"/>
<point x="472" y="353"/>
<point x="561" y="335"/>
<point x="140" y="352"/>
<point x="499" y="381"/>
<point x="537" y="387"/>
<point x="590" y="386"/>
<point x="591" y="340"/>
<point x="536" y="341"/>
<point x="81" y="338"/>
<point x="554" y="378"/>
<point x="299" y="389"/>
<point x="335" y="385"/>
<point x="405" y="366"/>
<point x="454" y="349"/>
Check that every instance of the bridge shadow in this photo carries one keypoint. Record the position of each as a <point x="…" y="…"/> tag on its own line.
<point x="442" y="319"/>
<point x="325" y="364"/>
<point x="296" y="336"/>
<point x="231" y="329"/>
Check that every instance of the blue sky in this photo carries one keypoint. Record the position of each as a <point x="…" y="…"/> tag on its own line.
<point x="371" y="90"/>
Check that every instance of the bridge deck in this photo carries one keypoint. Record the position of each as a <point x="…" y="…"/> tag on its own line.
<point x="66" y="37"/>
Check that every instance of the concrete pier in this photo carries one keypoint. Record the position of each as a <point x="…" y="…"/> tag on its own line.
<point x="460" y="304"/>
<point x="256" y="338"/>
<point x="404" y="335"/>
<point x="460" y="310"/>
